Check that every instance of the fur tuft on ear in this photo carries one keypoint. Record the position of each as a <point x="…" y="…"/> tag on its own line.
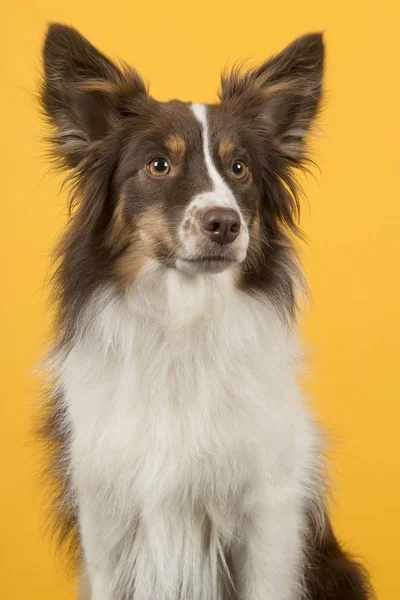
<point x="84" y="94"/>
<point x="283" y="94"/>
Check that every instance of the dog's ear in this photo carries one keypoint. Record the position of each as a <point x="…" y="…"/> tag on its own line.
<point x="83" y="92"/>
<point x="282" y="96"/>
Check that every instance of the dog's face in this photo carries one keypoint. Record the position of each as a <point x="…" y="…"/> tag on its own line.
<point x="187" y="189"/>
<point x="198" y="188"/>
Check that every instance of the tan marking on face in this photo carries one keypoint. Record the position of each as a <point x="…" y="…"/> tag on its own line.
<point x="152" y="225"/>
<point x="226" y="149"/>
<point x="119" y="230"/>
<point x="150" y="229"/>
<point x="130" y="263"/>
<point x="176" y="145"/>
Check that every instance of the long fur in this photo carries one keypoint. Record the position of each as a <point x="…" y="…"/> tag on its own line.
<point x="186" y="464"/>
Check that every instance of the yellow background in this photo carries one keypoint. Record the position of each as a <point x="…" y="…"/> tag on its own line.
<point x="351" y="218"/>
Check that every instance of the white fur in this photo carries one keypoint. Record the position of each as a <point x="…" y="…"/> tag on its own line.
<point x="189" y="440"/>
<point x="222" y="194"/>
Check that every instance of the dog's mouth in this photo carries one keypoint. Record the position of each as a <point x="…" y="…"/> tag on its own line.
<point x="205" y="263"/>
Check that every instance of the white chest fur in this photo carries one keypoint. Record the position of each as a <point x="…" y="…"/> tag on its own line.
<point x="183" y="395"/>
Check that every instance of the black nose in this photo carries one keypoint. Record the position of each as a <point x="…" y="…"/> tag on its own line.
<point x="222" y="225"/>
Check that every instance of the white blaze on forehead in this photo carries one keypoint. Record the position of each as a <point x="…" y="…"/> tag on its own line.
<point x="191" y="236"/>
<point x="221" y="195"/>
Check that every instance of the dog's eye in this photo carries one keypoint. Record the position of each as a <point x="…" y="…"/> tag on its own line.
<point x="159" y="167"/>
<point x="239" y="169"/>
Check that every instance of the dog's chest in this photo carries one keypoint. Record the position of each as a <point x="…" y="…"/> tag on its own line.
<point x="193" y="400"/>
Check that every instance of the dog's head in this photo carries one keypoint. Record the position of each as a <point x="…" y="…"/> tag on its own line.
<point x="196" y="187"/>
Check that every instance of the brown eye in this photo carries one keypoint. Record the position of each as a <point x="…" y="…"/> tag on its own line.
<point x="239" y="169"/>
<point x="159" y="167"/>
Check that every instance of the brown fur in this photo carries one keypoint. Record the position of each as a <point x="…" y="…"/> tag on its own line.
<point x="56" y="437"/>
<point x="332" y="573"/>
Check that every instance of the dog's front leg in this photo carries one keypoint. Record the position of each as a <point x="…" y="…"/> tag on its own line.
<point x="267" y="555"/>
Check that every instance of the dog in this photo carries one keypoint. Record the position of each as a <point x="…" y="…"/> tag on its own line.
<point x="185" y="462"/>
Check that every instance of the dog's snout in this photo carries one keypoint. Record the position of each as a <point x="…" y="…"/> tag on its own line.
<point x="222" y="225"/>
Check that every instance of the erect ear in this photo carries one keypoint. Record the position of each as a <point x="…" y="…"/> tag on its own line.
<point x="283" y="94"/>
<point x="83" y="92"/>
